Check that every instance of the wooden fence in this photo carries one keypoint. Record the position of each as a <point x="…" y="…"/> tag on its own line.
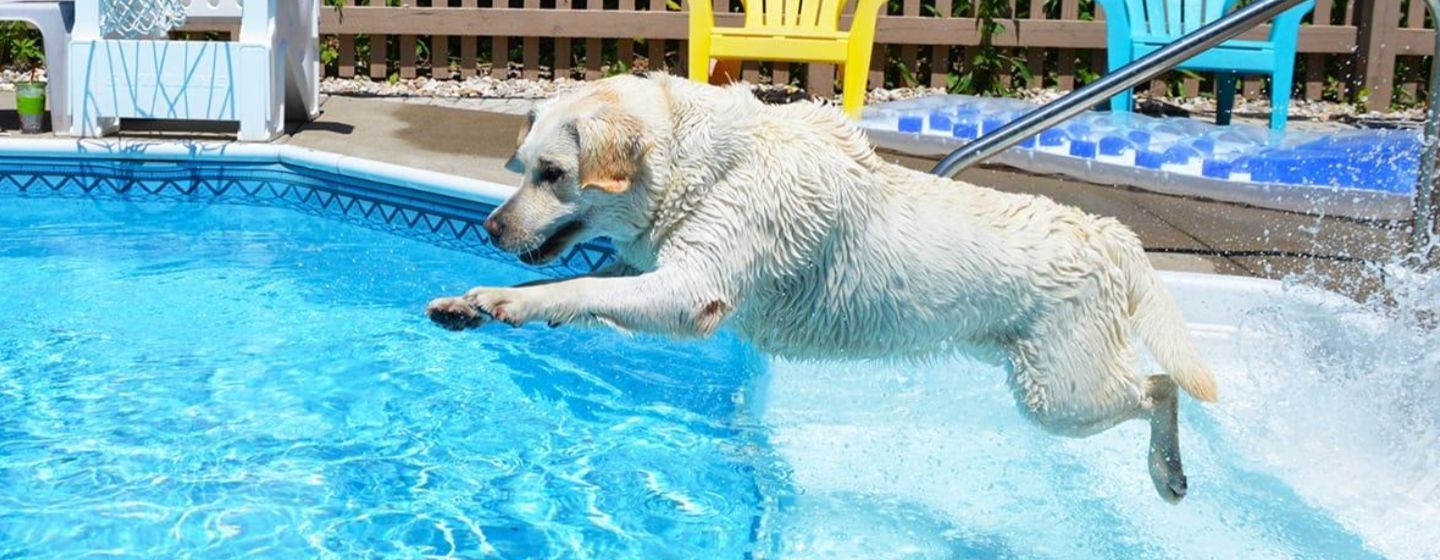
<point x="1367" y="50"/>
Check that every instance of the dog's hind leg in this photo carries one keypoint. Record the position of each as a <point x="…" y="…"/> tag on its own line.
<point x="1078" y="381"/>
<point x="1165" y="469"/>
<point x="1075" y="381"/>
<point x="1078" y="401"/>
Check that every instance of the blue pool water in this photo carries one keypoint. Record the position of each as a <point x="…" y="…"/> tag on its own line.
<point x="181" y="379"/>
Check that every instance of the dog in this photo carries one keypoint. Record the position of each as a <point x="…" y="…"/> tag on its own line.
<point x="782" y="223"/>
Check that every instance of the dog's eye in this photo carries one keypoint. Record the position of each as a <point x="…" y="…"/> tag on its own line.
<point x="550" y="174"/>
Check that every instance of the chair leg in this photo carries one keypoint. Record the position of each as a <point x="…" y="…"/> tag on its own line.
<point x="1123" y="102"/>
<point x="1280" y="84"/>
<point x="855" y="80"/>
<point x="699" y="61"/>
<point x="1224" y="97"/>
<point x="54" y="32"/>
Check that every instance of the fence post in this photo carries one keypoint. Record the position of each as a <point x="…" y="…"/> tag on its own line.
<point x="1378" y="22"/>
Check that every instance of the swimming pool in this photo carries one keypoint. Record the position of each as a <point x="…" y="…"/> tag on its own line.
<point x="223" y="354"/>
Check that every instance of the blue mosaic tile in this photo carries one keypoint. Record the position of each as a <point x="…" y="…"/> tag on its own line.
<point x="444" y="221"/>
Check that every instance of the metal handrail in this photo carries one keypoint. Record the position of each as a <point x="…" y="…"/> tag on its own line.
<point x="1425" y="225"/>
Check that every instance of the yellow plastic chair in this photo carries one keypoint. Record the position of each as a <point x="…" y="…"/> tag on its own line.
<point x="790" y="31"/>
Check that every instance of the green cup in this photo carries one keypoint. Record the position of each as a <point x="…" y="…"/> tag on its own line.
<point x="30" y="103"/>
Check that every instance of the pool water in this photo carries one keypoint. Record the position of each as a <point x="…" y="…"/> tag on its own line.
<point x="182" y="379"/>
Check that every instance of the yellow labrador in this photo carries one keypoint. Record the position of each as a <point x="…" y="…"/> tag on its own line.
<point x="783" y="224"/>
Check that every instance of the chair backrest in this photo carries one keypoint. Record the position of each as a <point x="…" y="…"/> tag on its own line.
<point x="793" y="15"/>
<point x="1173" y="18"/>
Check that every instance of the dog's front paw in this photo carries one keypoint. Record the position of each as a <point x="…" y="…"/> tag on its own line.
<point x="504" y="304"/>
<point x="454" y="313"/>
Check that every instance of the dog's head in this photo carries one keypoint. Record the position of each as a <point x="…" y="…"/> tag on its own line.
<point x="582" y="158"/>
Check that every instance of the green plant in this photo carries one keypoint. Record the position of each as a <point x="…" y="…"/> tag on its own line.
<point x="908" y="77"/>
<point x="21" y="45"/>
<point x="329" y="50"/>
<point x="620" y="67"/>
<point x="1176" y="83"/>
<point x="988" y="71"/>
<point x="25" y="51"/>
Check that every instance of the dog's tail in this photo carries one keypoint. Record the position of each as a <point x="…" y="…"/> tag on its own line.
<point x="1154" y="313"/>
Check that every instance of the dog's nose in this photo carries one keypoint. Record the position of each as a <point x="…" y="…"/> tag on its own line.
<point x="494" y="227"/>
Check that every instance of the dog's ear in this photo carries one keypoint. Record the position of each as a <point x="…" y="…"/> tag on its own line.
<point x="515" y="165"/>
<point x="611" y="144"/>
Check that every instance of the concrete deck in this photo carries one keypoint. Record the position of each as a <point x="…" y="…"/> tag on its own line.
<point x="473" y="138"/>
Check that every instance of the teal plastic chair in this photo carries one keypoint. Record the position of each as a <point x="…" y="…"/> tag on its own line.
<point x="1135" y="28"/>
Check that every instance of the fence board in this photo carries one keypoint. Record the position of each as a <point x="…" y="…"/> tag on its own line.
<point x="379" y="61"/>
<point x="469" y="47"/>
<point x="407" y="56"/>
<point x="1411" y="76"/>
<point x="564" y="47"/>
<point x="908" y="53"/>
<point x="439" y="58"/>
<point x="1375" y="67"/>
<point x="820" y="80"/>
<point x="499" y="44"/>
<point x="594" y="47"/>
<point x="345" y="66"/>
<point x="530" y="49"/>
<point x="625" y="50"/>
<point x="1069" y="10"/>
<point x="1315" y="63"/>
<point x="655" y="48"/>
<point x="940" y="54"/>
<point x="1035" y="57"/>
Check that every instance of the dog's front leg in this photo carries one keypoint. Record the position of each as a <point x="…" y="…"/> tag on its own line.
<point x="661" y="302"/>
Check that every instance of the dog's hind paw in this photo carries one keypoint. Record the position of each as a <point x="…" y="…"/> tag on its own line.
<point x="454" y="313"/>
<point x="1168" y="476"/>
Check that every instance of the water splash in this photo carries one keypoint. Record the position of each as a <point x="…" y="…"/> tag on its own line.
<point x="1342" y="401"/>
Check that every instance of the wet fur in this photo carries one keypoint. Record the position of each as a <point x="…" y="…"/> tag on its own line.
<point x="782" y="223"/>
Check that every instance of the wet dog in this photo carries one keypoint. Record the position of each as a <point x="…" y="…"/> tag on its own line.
<point x="782" y="223"/>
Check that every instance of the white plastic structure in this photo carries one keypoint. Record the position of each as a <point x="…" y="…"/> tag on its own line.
<point x="128" y="19"/>
<point x="54" y="19"/>
<point x="268" y="73"/>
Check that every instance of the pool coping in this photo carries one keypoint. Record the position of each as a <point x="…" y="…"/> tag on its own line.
<point x="206" y="151"/>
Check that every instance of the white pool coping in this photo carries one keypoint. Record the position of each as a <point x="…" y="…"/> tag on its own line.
<point x="137" y="149"/>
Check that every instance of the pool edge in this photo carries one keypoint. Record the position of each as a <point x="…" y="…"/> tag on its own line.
<point x="133" y="149"/>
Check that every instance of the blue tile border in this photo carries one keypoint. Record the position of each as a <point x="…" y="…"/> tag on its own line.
<point x="438" y="218"/>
